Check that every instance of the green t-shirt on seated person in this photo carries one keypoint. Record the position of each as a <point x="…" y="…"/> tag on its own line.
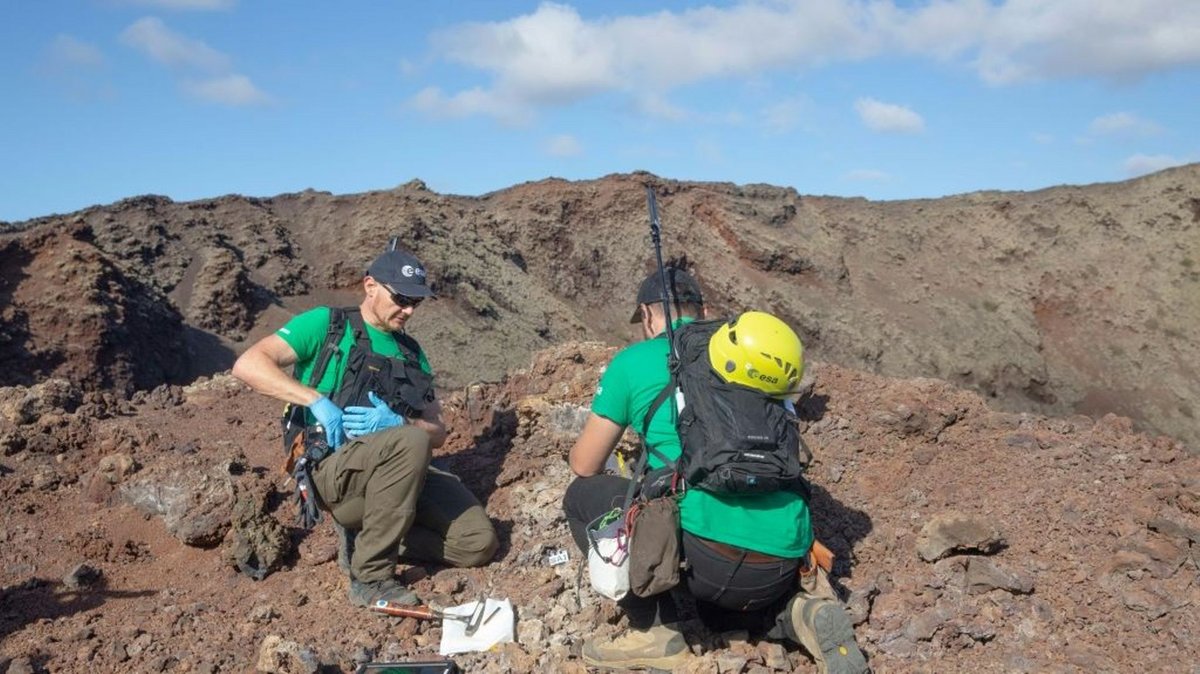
<point x="305" y="333"/>
<point x="773" y="524"/>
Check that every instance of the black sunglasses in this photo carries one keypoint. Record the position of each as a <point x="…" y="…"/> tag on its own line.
<point x="402" y="301"/>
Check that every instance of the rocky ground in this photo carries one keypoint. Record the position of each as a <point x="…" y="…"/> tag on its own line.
<point x="1072" y="299"/>
<point x="968" y="538"/>
<point x="1015" y="511"/>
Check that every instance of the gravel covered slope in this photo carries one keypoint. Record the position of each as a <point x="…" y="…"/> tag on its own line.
<point x="1076" y="538"/>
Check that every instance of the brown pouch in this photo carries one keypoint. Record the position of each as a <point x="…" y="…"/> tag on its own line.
<point x="292" y="454"/>
<point x="654" y="546"/>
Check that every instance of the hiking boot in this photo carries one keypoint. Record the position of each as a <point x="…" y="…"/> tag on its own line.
<point x="660" y="647"/>
<point x="367" y="593"/>
<point x="345" y="539"/>
<point x="825" y="631"/>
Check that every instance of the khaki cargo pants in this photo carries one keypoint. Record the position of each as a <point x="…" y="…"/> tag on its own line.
<point x="383" y="486"/>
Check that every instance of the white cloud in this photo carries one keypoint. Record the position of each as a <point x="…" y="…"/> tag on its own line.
<point x="203" y="5"/>
<point x="1123" y="123"/>
<point x="76" y="68"/>
<point x="152" y="37"/>
<point x="563" y="145"/>
<point x="654" y="105"/>
<point x="220" y="85"/>
<point x="888" y="117"/>
<point x="1114" y="39"/>
<point x="548" y="56"/>
<point x="233" y="90"/>
<point x="942" y="29"/>
<point x="435" y="103"/>
<point x="553" y="56"/>
<point x="1042" y="138"/>
<point x="784" y="116"/>
<point x="868" y="175"/>
<point x="69" y="53"/>
<point x="1141" y="164"/>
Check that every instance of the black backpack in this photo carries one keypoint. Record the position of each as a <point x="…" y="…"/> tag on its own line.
<point x="736" y="440"/>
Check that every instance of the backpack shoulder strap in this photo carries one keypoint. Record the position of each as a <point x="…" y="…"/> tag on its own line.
<point x="408" y="348"/>
<point x="329" y="350"/>
<point x="658" y="401"/>
<point x="668" y="391"/>
<point x="639" y="469"/>
<point x="354" y="315"/>
<point x="406" y="345"/>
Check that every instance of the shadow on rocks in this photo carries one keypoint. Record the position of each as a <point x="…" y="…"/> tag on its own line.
<point x="479" y="465"/>
<point x="812" y="408"/>
<point x="504" y="530"/>
<point x="839" y="526"/>
<point x="37" y="599"/>
<point x="207" y="355"/>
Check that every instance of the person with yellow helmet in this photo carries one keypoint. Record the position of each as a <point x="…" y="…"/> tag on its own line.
<point x="746" y="533"/>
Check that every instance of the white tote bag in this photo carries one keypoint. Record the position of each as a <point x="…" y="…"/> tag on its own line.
<point x="608" y="559"/>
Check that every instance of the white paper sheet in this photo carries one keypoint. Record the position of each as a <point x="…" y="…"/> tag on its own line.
<point x="498" y="630"/>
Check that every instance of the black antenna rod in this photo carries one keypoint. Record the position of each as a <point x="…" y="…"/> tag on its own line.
<point x="656" y="239"/>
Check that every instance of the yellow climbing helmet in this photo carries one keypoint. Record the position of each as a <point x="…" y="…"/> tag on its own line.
<point x="760" y="351"/>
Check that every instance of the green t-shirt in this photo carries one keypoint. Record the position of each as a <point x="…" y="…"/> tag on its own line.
<point x="305" y="333"/>
<point x="773" y="524"/>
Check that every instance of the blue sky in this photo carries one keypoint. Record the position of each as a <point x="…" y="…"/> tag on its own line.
<point x="886" y="99"/>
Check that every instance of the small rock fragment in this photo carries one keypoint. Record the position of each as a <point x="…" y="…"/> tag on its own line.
<point x="82" y="576"/>
<point x="983" y="575"/>
<point x="277" y="655"/>
<point x="953" y="532"/>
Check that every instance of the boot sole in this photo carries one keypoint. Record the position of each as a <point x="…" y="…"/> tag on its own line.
<point x="835" y="637"/>
<point x="405" y="600"/>
<point x="664" y="664"/>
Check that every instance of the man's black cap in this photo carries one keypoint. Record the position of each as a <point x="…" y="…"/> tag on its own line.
<point x="401" y="272"/>
<point x="681" y="289"/>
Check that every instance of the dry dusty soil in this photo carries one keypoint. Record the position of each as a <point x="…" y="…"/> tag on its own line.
<point x="1002" y="418"/>
<point x="1072" y="542"/>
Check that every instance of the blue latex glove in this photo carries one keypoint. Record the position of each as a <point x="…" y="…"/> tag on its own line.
<point x="330" y="418"/>
<point x="366" y="420"/>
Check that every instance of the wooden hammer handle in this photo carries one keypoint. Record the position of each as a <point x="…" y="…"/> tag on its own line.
<point x="418" y="612"/>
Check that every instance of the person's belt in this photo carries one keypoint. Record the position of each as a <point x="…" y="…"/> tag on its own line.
<point x="734" y="553"/>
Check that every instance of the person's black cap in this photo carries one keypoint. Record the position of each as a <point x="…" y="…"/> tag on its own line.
<point x="402" y="273"/>
<point x="681" y="289"/>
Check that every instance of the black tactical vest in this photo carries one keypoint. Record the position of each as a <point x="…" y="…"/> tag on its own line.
<point x="400" y="382"/>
